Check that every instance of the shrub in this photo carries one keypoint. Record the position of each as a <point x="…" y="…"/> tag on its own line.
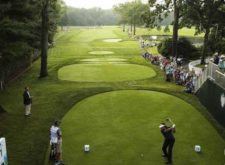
<point x="165" y="47"/>
<point x="220" y="47"/>
<point x="184" y="48"/>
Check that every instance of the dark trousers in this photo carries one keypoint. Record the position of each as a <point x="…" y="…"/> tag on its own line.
<point x="167" y="148"/>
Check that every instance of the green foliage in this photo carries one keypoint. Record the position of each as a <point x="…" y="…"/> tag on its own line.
<point x="17" y="26"/>
<point x="165" y="48"/>
<point x="54" y="18"/>
<point x="205" y="15"/>
<point x="217" y="39"/>
<point x="220" y="47"/>
<point x="133" y="13"/>
<point x="53" y="98"/>
<point x="20" y="31"/>
<point x="162" y="10"/>
<point x="184" y="48"/>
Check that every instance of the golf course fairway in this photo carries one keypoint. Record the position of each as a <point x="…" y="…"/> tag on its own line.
<point x="121" y="128"/>
<point x="105" y="72"/>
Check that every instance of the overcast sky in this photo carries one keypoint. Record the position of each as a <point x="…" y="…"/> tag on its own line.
<point x="104" y="4"/>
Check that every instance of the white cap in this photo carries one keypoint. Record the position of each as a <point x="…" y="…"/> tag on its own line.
<point x="161" y="125"/>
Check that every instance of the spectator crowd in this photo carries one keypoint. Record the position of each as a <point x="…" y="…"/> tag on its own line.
<point x="174" y="71"/>
<point x="220" y="61"/>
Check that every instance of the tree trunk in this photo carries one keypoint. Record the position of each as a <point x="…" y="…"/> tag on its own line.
<point x="44" y="40"/>
<point x="204" y="51"/>
<point x="123" y="27"/>
<point x="134" y="30"/>
<point x="2" y="73"/>
<point x="131" y="27"/>
<point x="175" y="29"/>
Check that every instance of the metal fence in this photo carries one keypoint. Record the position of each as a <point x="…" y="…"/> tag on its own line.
<point x="213" y="72"/>
<point x="201" y="79"/>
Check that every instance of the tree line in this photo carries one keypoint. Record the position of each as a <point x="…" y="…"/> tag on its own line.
<point x="205" y="15"/>
<point x="88" y="17"/>
<point x="26" y="27"/>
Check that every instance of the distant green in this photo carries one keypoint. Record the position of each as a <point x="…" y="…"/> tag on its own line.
<point x="106" y="72"/>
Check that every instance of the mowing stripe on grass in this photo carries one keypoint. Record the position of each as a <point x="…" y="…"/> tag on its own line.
<point x="105" y="72"/>
<point x="121" y="127"/>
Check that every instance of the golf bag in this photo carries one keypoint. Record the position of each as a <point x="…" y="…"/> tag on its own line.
<point x="53" y="152"/>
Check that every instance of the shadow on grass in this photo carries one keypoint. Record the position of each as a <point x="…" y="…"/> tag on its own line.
<point x="2" y="110"/>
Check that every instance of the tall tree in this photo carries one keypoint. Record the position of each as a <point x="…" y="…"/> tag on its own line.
<point x="138" y="9"/>
<point x="162" y="10"/>
<point x="132" y="13"/>
<point x="49" y="14"/>
<point x="64" y="16"/>
<point x="87" y="17"/>
<point x="204" y="15"/>
<point x="19" y="35"/>
<point x="44" y="38"/>
<point x="120" y="10"/>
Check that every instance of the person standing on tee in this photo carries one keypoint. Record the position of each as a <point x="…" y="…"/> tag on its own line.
<point x="169" y="140"/>
<point x="56" y="142"/>
<point x="27" y="101"/>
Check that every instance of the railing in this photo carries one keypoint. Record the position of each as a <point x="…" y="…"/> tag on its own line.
<point x="219" y="78"/>
<point x="212" y="72"/>
<point x="201" y="79"/>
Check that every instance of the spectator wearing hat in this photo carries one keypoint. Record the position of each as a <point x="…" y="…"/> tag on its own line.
<point x="56" y="142"/>
<point x="216" y="58"/>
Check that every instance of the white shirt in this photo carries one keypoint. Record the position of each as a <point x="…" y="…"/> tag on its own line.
<point x="54" y="134"/>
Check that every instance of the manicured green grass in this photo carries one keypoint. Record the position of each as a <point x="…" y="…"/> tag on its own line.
<point x="28" y="138"/>
<point x="121" y="127"/>
<point x="105" y="72"/>
<point x="188" y="32"/>
<point x="200" y="66"/>
<point x="153" y="50"/>
<point x="100" y="60"/>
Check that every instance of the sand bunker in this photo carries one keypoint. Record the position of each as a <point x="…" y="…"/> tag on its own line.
<point x="113" y="40"/>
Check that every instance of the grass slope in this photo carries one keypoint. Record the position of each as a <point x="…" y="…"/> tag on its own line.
<point x="122" y="128"/>
<point x="28" y="138"/>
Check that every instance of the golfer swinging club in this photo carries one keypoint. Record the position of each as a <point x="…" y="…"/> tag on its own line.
<point x="169" y="140"/>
